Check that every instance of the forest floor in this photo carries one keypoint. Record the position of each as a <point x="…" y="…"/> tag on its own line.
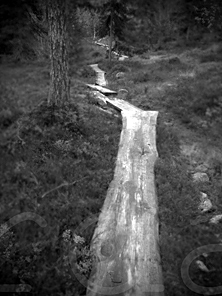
<point x="57" y="164"/>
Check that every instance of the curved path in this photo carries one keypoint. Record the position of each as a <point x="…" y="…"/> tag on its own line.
<point x="126" y="239"/>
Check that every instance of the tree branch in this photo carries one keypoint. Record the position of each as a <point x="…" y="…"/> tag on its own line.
<point x="62" y="185"/>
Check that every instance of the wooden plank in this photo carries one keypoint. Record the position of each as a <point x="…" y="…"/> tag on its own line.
<point x="125" y="241"/>
<point x="96" y="68"/>
<point x="102" y="89"/>
<point x="127" y="234"/>
<point x="117" y="104"/>
<point x="122" y="105"/>
<point x="100" y="75"/>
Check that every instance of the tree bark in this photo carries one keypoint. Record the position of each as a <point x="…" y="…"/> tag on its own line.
<point x="59" y="91"/>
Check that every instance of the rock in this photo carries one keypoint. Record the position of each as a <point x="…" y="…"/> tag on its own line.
<point x="200" y="177"/>
<point x="120" y="75"/>
<point x="122" y="94"/>
<point x="203" y="123"/>
<point x="216" y="219"/>
<point x="123" y="57"/>
<point x="202" y="266"/>
<point x="205" y="203"/>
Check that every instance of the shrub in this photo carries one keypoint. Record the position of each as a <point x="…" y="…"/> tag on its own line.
<point x="86" y="72"/>
<point x="167" y="141"/>
<point x="123" y="66"/>
<point x="9" y="106"/>
<point x="96" y="54"/>
<point x="119" y="68"/>
<point x="141" y="77"/>
<point x="211" y="58"/>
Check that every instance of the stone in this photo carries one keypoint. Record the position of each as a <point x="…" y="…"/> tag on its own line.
<point x="216" y="219"/>
<point x="123" y="57"/>
<point x="200" y="177"/>
<point x="205" y="203"/>
<point x="203" y="123"/>
<point x="202" y="266"/>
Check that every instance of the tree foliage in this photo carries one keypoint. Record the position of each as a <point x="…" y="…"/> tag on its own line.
<point x="89" y="21"/>
<point x="18" y="31"/>
<point x="140" y="23"/>
<point x="114" y="12"/>
<point x="208" y="14"/>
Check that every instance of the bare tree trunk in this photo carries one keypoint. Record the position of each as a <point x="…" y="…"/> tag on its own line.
<point x="59" y="91"/>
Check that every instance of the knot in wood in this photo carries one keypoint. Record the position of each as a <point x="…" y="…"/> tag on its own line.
<point x="107" y="249"/>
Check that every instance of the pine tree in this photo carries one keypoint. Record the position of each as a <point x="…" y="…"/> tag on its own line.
<point x="18" y="32"/>
<point x="114" y="20"/>
<point x="58" y="18"/>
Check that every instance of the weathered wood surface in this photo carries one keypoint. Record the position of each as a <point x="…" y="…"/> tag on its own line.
<point x="116" y="103"/>
<point x="100" y="75"/>
<point x="126" y="238"/>
<point x="102" y="89"/>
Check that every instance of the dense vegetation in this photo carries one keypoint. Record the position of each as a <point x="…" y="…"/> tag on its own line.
<point x="57" y="162"/>
<point x="137" y="25"/>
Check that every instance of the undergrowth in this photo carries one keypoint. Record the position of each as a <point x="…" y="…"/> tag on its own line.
<point x="181" y="229"/>
<point x="57" y="164"/>
<point x="188" y="94"/>
<point x="201" y="98"/>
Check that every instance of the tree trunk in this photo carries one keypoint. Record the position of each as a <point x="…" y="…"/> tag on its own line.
<point x="59" y="91"/>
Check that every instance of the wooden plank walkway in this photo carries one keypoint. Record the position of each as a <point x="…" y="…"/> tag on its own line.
<point x="126" y="240"/>
<point x="103" y="90"/>
<point x="100" y="79"/>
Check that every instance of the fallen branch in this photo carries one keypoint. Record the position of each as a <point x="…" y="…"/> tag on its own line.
<point x="62" y="185"/>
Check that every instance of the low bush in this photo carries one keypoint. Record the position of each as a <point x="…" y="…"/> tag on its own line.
<point x="181" y="231"/>
<point x="56" y="163"/>
<point x="211" y="58"/>
<point x="9" y="106"/>
<point x="86" y="72"/>
<point x="141" y="77"/>
<point x="117" y="65"/>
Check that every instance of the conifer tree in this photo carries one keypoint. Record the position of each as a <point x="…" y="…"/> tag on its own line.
<point x="114" y="19"/>
<point x="58" y="12"/>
